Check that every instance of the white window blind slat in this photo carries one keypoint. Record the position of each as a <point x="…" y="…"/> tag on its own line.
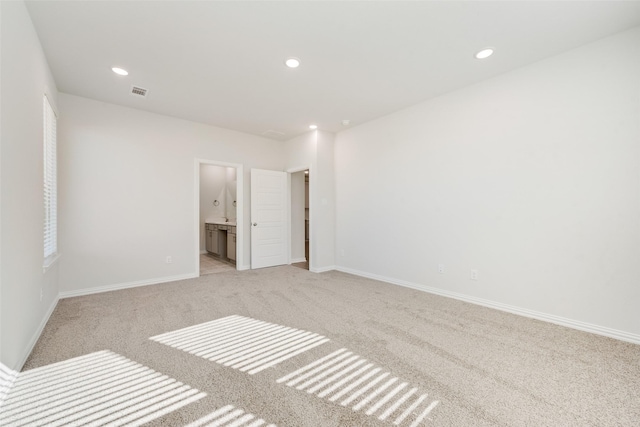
<point x="50" y="182"/>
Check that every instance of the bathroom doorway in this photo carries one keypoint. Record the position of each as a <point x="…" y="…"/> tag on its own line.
<point x="300" y="237"/>
<point x="218" y="217"/>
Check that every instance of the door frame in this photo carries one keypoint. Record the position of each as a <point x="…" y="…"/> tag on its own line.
<point x="239" y="210"/>
<point x="311" y="233"/>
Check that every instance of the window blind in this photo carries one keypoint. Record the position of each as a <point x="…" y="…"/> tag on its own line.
<point x="50" y="183"/>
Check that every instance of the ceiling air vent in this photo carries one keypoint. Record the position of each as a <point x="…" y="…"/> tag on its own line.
<point x="138" y="91"/>
<point x="273" y="133"/>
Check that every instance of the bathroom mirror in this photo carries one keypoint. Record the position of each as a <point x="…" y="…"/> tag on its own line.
<point x="218" y="194"/>
<point x="231" y="193"/>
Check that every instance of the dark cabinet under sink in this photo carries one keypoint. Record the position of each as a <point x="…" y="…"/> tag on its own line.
<point x="220" y="241"/>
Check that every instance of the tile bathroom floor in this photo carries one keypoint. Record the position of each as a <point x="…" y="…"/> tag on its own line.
<point x="210" y="265"/>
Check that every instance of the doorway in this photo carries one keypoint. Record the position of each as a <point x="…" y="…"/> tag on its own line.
<point x="300" y="237"/>
<point x="218" y="217"/>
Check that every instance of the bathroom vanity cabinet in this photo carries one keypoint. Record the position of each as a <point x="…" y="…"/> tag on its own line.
<point x="220" y="240"/>
<point x="231" y="243"/>
<point x="212" y="240"/>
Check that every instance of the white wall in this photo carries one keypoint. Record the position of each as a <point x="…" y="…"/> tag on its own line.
<point x="315" y="151"/>
<point x="531" y="177"/>
<point x="2" y="366"/>
<point x="25" y="78"/>
<point x="213" y="183"/>
<point x="230" y="193"/>
<point x="324" y="205"/>
<point x="128" y="194"/>
<point x="301" y="151"/>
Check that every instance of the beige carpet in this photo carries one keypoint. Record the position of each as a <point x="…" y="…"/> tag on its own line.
<point x="336" y="350"/>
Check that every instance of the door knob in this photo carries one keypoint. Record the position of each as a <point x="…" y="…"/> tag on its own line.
<point x="255" y="223"/>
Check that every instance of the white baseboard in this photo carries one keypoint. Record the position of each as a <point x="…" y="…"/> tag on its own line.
<point x="36" y="336"/>
<point x="562" y="321"/>
<point x="127" y="285"/>
<point x="243" y="267"/>
<point x="322" y="269"/>
<point x="294" y="260"/>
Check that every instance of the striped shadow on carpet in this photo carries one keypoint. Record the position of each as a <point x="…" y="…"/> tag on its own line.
<point x="229" y="416"/>
<point x="102" y="388"/>
<point x="242" y="343"/>
<point x="346" y="378"/>
<point x="7" y="378"/>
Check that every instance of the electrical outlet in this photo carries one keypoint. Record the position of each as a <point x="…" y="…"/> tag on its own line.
<point x="341" y="252"/>
<point x="474" y="274"/>
<point x="41" y="294"/>
<point x="168" y="260"/>
<point x="441" y="268"/>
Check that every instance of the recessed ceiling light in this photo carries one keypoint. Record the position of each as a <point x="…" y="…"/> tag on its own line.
<point x="313" y="126"/>
<point x="292" y="62"/>
<point x="484" y="53"/>
<point x="120" y="71"/>
<point x="345" y="122"/>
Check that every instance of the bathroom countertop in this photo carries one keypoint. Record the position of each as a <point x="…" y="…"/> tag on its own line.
<point x="221" y="223"/>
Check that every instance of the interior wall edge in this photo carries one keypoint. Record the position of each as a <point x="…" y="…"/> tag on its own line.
<point x="538" y="315"/>
<point x="323" y="269"/>
<point x="36" y="336"/>
<point x="126" y="285"/>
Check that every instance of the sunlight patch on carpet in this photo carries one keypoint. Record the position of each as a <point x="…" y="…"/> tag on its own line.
<point x="7" y="379"/>
<point x="242" y="343"/>
<point x="96" y="389"/>
<point x="347" y="379"/>
<point x="229" y="416"/>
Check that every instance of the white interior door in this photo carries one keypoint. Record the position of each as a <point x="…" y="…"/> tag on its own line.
<point x="268" y="218"/>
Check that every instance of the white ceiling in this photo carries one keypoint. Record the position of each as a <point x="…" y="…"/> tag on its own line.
<point x="222" y="63"/>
